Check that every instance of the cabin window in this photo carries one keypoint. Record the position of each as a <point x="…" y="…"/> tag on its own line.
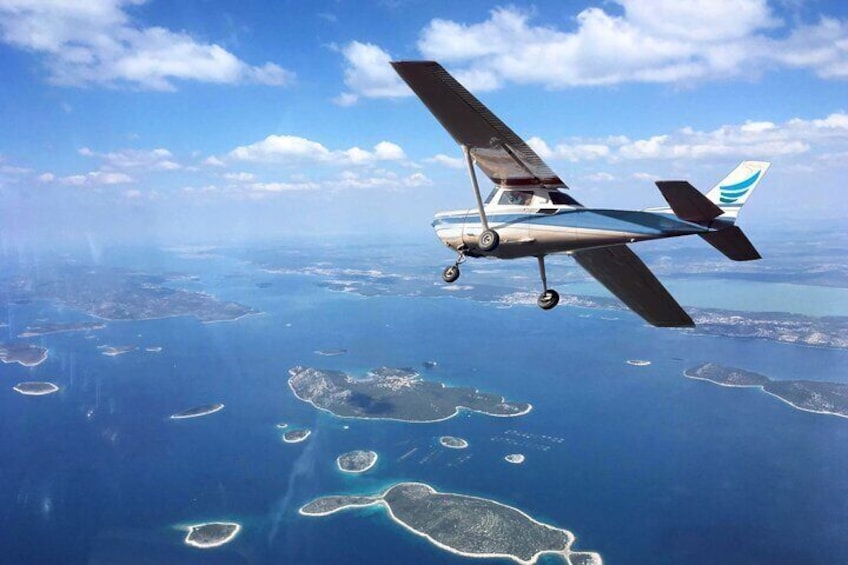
<point x="491" y="195"/>
<point x="558" y="197"/>
<point x="516" y="197"/>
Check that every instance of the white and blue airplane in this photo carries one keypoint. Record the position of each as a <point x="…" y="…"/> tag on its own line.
<point x="527" y="213"/>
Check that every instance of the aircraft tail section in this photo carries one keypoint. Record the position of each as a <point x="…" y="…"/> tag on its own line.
<point x="733" y="191"/>
<point x="733" y="243"/>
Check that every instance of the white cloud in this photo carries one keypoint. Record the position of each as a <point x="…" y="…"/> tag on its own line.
<point x="290" y="148"/>
<point x="761" y="139"/>
<point x="46" y="177"/>
<point x="368" y="73"/>
<point x="446" y="161"/>
<point x="96" y="178"/>
<point x="240" y="177"/>
<point x="599" y="177"/>
<point x="97" y="42"/>
<point x="647" y="41"/>
<point x="213" y="161"/>
<point x="159" y="159"/>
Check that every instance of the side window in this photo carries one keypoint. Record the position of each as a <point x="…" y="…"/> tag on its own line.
<point x="491" y="195"/>
<point x="515" y="197"/>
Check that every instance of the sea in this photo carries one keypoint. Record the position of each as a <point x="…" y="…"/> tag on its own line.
<point x="642" y="464"/>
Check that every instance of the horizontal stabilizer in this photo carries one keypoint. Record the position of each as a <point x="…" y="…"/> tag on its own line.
<point x="687" y="202"/>
<point x="626" y="276"/>
<point x="733" y="243"/>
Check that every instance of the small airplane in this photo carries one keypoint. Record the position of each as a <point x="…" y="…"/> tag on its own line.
<point x="527" y="213"/>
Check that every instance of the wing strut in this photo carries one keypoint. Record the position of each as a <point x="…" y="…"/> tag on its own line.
<point x="470" y="164"/>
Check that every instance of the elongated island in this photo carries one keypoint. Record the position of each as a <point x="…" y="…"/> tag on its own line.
<point x="465" y="525"/>
<point x="394" y="394"/>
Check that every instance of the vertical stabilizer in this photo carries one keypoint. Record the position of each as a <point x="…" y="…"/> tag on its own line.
<point x="732" y="192"/>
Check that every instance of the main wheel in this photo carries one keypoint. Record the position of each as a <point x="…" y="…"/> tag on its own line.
<point x="488" y="240"/>
<point x="548" y="299"/>
<point x="450" y="274"/>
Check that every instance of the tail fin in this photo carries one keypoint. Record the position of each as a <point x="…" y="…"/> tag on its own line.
<point x="732" y="192"/>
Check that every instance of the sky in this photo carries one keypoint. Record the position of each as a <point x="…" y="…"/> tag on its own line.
<point x="201" y="120"/>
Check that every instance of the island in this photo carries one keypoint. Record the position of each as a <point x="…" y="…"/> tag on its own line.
<point x="115" y="350"/>
<point x="357" y="461"/>
<point x="25" y="354"/>
<point x="514" y="458"/>
<point x="198" y="411"/>
<point x="638" y="362"/>
<point x="296" y="436"/>
<point x="331" y="352"/>
<point x="54" y="328"/>
<point x="153" y="349"/>
<point x="282" y="425"/>
<point x="116" y="294"/>
<point x="393" y="394"/>
<point x="811" y="396"/>
<point x="211" y="534"/>
<point x="430" y="364"/>
<point x="465" y="525"/>
<point x="453" y="442"/>
<point x="35" y="388"/>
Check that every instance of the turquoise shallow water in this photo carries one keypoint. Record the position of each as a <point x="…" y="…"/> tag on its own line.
<point x="652" y="467"/>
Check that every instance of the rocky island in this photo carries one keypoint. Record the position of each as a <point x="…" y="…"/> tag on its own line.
<point x="393" y="394"/>
<point x="465" y="525"/>
<point x="514" y="458"/>
<point x="25" y="354"/>
<point x="211" y="534"/>
<point x="35" y="388"/>
<point x="811" y="396"/>
<point x="296" y="436"/>
<point x="453" y="442"/>
<point x="197" y="411"/>
<point x="357" y="461"/>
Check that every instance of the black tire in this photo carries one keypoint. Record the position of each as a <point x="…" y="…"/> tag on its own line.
<point x="450" y="274"/>
<point x="548" y="299"/>
<point x="488" y="240"/>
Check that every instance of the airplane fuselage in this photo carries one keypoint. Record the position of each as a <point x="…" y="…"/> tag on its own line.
<point x="539" y="227"/>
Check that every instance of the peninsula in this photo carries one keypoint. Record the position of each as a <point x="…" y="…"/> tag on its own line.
<point x="197" y="411"/>
<point x="296" y="436"/>
<point x="393" y="394"/>
<point x="811" y="396"/>
<point x="453" y="442"/>
<point x="211" y="534"/>
<point x="35" y="388"/>
<point x="25" y="354"/>
<point x="357" y="461"/>
<point x="465" y="525"/>
<point x="54" y="328"/>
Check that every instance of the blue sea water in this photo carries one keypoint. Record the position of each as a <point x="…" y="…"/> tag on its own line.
<point x="653" y="467"/>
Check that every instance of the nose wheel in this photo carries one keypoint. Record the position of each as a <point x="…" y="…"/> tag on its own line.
<point x="451" y="273"/>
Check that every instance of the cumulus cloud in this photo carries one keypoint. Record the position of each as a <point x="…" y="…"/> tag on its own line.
<point x="96" y="178"/>
<point x="159" y="159"/>
<point x="368" y="73"/>
<point x="98" y="42"/>
<point x="446" y="161"/>
<point x="290" y="148"/>
<point x="647" y="41"/>
<point x="750" y="139"/>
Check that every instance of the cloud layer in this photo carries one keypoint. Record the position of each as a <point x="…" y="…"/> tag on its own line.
<point x="638" y="41"/>
<point x="97" y="42"/>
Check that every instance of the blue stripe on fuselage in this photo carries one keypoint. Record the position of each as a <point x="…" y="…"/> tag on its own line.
<point x="630" y="221"/>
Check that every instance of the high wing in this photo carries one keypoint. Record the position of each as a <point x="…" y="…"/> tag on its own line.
<point x="503" y="156"/>
<point x="627" y="277"/>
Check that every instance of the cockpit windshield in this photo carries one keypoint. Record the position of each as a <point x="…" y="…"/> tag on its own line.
<point x="516" y="197"/>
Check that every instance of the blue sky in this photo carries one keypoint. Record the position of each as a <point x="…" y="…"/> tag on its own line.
<point x="136" y="120"/>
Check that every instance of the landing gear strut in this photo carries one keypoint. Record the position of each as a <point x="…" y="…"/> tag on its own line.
<point x="549" y="297"/>
<point x="488" y="239"/>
